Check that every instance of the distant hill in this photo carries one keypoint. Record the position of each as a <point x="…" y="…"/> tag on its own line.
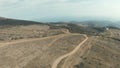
<point x="96" y="21"/>
<point x="101" y="23"/>
<point x="7" y="21"/>
<point x="89" y="22"/>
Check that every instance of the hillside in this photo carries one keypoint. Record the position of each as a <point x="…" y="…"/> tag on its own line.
<point x="28" y="44"/>
<point x="7" y="21"/>
<point x="98" y="52"/>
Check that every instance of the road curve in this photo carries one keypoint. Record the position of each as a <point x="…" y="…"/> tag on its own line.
<point x="57" y="61"/>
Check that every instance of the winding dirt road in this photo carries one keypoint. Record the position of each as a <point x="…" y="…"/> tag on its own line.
<point x="57" y="61"/>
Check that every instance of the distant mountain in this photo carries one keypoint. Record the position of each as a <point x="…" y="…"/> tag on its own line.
<point x="96" y="21"/>
<point x="102" y="23"/>
<point x="69" y="18"/>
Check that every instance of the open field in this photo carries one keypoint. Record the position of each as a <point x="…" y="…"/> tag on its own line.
<point x="26" y="32"/>
<point x="39" y="52"/>
<point x="97" y="52"/>
<point x="104" y="53"/>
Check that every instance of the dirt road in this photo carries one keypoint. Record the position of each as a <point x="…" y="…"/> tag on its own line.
<point x="57" y="61"/>
<point x="28" y="40"/>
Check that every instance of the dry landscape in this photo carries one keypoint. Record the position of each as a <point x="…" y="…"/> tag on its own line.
<point x="58" y="46"/>
<point x="97" y="52"/>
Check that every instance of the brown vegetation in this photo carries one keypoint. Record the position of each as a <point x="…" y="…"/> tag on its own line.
<point x="27" y="44"/>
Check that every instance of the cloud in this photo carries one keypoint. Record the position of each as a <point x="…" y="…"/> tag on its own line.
<point x="6" y="3"/>
<point x="31" y="9"/>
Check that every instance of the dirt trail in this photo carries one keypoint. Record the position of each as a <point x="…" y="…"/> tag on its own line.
<point x="59" y="37"/>
<point x="28" y="40"/>
<point x="66" y="31"/>
<point x="57" y="61"/>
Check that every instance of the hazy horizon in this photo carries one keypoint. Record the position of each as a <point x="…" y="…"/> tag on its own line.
<point x="60" y="10"/>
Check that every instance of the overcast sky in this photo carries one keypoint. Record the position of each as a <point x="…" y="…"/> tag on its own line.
<point x="43" y="9"/>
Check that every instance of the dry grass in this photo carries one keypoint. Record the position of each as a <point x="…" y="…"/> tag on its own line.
<point x="103" y="54"/>
<point x="59" y="48"/>
<point x="25" y="32"/>
<point x="37" y="53"/>
<point x="98" y="52"/>
<point x="101" y="51"/>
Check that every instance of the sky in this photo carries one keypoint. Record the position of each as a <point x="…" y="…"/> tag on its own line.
<point x="44" y="10"/>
